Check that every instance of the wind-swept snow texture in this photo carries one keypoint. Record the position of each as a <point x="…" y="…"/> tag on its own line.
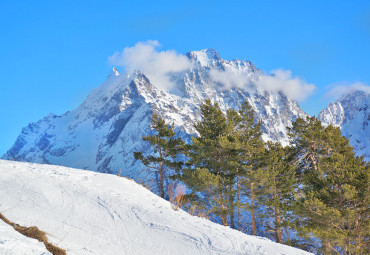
<point x="103" y="133"/>
<point x="352" y="114"/>
<point x="14" y="243"/>
<point x="92" y="213"/>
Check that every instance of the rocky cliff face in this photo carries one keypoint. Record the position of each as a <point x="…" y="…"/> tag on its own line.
<point x="352" y="114"/>
<point x="103" y="132"/>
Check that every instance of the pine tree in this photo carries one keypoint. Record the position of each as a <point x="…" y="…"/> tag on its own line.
<point x="206" y="172"/>
<point x="226" y="153"/>
<point x="278" y="178"/>
<point x="251" y="149"/>
<point x="309" y="143"/>
<point x="333" y="199"/>
<point x="165" y="146"/>
<point x="230" y="142"/>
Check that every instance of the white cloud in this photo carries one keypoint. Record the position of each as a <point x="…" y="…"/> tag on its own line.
<point x="230" y="78"/>
<point x="155" y="64"/>
<point x="283" y="81"/>
<point x="337" y="90"/>
<point x="280" y="81"/>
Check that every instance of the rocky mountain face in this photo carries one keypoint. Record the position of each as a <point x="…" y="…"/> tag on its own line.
<point x="105" y="130"/>
<point x="352" y="114"/>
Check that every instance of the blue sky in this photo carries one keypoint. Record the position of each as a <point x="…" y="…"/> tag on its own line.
<point x="53" y="53"/>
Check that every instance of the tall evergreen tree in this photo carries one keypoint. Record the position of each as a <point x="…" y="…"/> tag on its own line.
<point x="225" y="152"/>
<point x="309" y="142"/>
<point x="231" y="144"/>
<point x="165" y="146"/>
<point x="333" y="199"/>
<point x="278" y="178"/>
<point x="206" y="174"/>
<point x="251" y="150"/>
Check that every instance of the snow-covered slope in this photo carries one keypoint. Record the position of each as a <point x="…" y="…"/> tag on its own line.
<point x="92" y="213"/>
<point x="352" y="114"/>
<point x="14" y="243"/>
<point x="107" y="128"/>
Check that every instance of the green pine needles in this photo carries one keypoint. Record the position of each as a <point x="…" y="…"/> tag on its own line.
<point x="332" y="202"/>
<point x="165" y="147"/>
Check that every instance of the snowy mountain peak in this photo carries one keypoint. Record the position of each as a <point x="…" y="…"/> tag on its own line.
<point x="354" y="99"/>
<point x="205" y="58"/>
<point x="352" y="114"/>
<point x="355" y="94"/>
<point x="107" y="128"/>
<point x="209" y="58"/>
<point x="344" y="109"/>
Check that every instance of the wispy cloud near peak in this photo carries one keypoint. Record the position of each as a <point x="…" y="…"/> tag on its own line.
<point x="339" y="89"/>
<point x="144" y="56"/>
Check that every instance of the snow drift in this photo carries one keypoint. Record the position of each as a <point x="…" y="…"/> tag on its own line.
<point x="13" y="243"/>
<point x="92" y="213"/>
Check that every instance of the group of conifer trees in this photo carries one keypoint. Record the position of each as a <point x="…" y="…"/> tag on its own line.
<point x="312" y="194"/>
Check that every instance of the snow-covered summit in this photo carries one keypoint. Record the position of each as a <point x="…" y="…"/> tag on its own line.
<point x="205" y="58"/>
<point x="352" y="114"/>
<point x="91" y="213"/>
<point x="209" y="58"/>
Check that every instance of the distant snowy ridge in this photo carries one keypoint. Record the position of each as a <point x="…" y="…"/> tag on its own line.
<point x="107" y="128"/>
<point x="352" y="114"/>
<point x="92" y="213"/>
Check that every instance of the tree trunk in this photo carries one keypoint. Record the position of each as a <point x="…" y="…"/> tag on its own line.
<point x="254" y="231"/>
<point x="161" y="180"/>
<point x="277" y="219"/>
<point x="222" y="201"/>
<point x="358" y="237"/>
<point x="277" y="226"/>
<point x="224" y="220"/>
<point x="325" y="247"/>
<point x="231" y="204"/>
<point x="238" y="198"/>
<point x="223" y="215"/>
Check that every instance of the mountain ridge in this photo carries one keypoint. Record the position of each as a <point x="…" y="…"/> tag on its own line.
<point x="107" y="127"/>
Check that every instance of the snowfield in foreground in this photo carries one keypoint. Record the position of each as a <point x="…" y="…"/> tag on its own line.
<point x="92" y="213"/>
<point x="12" y="242"/>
